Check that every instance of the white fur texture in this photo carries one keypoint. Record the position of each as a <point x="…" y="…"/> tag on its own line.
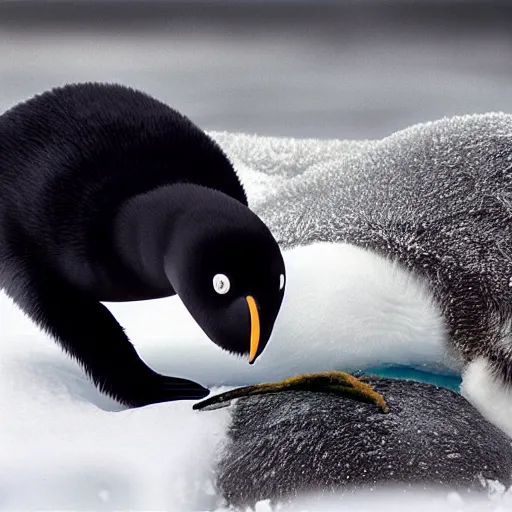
<point x="490" y="396"/>
<point x="348" y="307"/>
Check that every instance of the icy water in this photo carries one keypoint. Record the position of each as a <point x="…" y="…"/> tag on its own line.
<point x="348" y="70"/>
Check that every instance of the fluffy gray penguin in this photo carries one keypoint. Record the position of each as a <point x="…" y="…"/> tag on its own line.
<point x="407" y="238"/>
<point x="111" y="195"/>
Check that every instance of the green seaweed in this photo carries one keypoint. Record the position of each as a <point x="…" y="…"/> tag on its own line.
<point x="338" y="383"/>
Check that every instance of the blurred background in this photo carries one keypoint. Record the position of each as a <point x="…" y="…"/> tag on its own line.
<point x="346" y="69"/>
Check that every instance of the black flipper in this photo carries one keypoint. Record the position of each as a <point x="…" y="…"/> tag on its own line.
<point x="87" y="330"/>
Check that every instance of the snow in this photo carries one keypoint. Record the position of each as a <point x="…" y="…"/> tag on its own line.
<point x="64" y="446"/>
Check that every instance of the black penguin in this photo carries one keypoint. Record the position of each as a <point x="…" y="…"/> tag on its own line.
<point x="110" y="195"/>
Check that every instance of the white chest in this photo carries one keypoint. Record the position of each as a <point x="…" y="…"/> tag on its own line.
<point x="349" y="308"/>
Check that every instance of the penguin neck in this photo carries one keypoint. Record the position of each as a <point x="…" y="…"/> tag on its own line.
<point x="149" y="225"/>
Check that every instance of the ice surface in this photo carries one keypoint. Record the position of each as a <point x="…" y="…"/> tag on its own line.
<point x="64" y="446"/>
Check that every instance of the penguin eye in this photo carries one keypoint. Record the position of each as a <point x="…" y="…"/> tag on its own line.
<point x="281" y="281"/>
<point x="221" y="284"/>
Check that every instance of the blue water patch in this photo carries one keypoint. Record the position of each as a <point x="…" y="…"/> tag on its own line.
<point x="446" y="380"/>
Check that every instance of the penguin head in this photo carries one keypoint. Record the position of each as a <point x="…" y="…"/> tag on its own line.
<point x="228" y="270"/>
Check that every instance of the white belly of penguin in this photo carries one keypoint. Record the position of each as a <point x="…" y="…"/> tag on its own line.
<point x="348" y="308"/>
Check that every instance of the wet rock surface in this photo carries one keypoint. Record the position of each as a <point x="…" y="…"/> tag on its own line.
<point x="287" y="444"/>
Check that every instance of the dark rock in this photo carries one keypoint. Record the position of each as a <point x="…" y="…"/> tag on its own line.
<point x="283" y="445"/>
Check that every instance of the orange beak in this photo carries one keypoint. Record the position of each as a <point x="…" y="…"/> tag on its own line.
<point x="255" y="328"/>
